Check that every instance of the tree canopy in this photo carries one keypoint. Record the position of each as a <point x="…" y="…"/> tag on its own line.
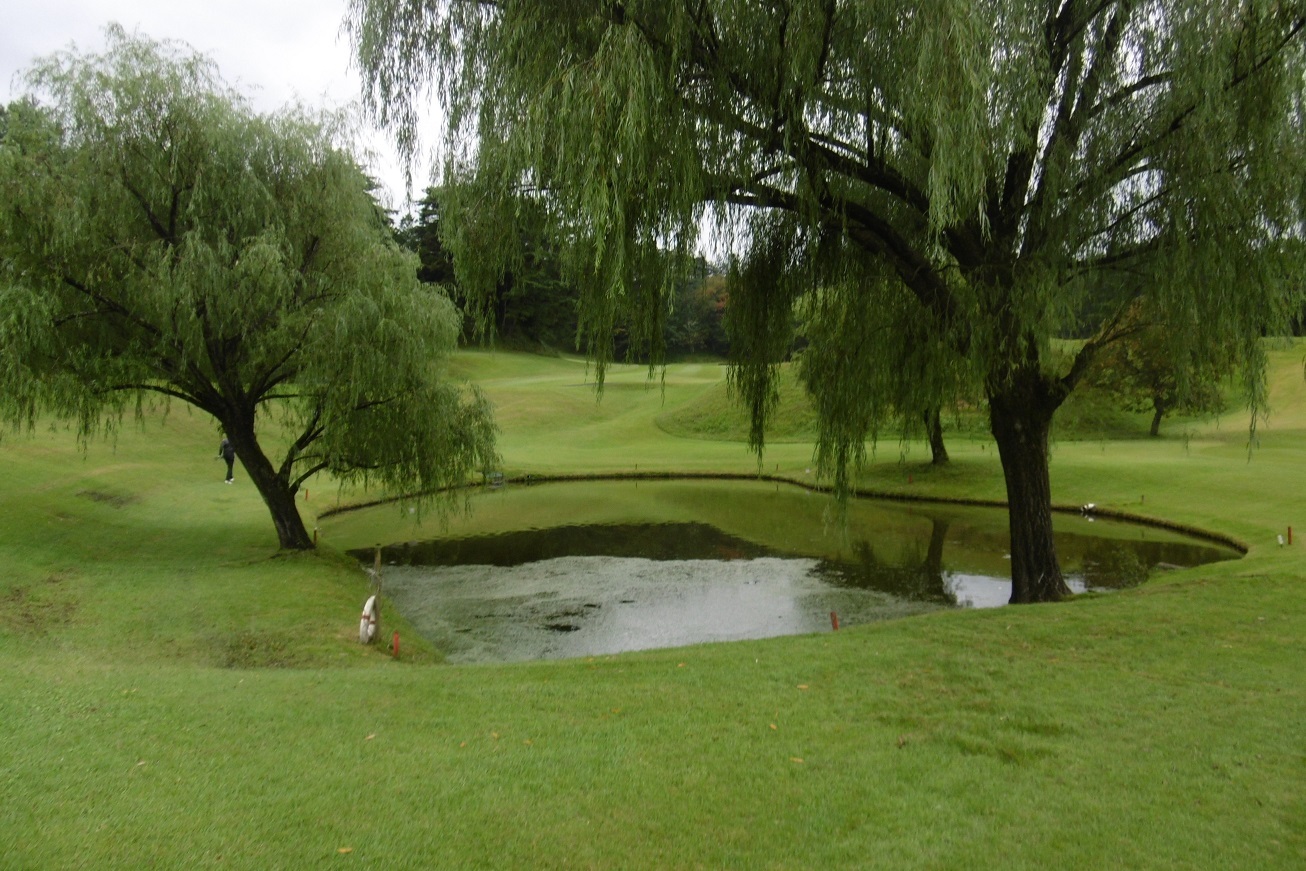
<point x="1140" y="375"/>
<point x="161" y="239"/>
<point x="936" y="180"/>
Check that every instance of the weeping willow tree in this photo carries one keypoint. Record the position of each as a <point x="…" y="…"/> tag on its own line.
<point x="934" y="180"/>
<point x="160" y="239"/>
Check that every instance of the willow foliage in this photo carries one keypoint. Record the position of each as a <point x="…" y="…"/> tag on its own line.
<point x="935" y="179"/>
<point x="162" y="239"/>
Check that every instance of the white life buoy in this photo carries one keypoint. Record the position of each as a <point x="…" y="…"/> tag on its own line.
<point x="367" y="625"/>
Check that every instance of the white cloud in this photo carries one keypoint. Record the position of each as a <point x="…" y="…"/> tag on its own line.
<point x="273" y="51"/>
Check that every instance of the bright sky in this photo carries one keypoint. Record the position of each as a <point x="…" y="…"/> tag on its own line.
<point x="272" y="51"/>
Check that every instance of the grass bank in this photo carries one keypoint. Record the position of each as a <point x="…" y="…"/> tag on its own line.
<point x="177" y="695"/>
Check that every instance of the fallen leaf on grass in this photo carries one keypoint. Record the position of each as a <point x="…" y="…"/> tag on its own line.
<point x="774" y="726"/>
<point x="370" y="737"/>
<point x="802" y="686"/>
<point x="344" y="850"/>
<point x="796" y="760"/>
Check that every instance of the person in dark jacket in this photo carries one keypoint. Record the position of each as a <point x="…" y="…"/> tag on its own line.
<point x="228" y="452"/>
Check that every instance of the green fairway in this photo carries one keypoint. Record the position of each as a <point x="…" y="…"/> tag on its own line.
<point x="178" y="695"/>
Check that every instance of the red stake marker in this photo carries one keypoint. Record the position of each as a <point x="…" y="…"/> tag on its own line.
<point x="395" y="645"/>
<point x="834" y="621"/>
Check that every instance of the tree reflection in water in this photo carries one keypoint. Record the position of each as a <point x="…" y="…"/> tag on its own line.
<point x="911" y="575"/>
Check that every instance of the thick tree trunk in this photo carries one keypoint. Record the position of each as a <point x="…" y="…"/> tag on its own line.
<point x="277" y="493"/>
<point x="280" y="499"/>
<point x="1020" y="419"/>
<point x="934" y="424"/>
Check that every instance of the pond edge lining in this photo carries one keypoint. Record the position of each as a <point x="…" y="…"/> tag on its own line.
<point x="858" y="492"/>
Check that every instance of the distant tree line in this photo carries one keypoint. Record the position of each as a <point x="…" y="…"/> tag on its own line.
<point x="535" y="306"/>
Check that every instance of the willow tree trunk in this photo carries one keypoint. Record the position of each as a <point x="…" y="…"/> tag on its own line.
<point x="1020" y="418"/>
<point x="934" y="424"/>
<point x="277" y="493"/>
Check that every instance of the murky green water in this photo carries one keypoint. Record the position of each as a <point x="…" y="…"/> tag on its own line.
<point x="581" y="569"/>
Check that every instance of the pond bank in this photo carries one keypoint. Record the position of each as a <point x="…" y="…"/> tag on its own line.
<point x="1099" y="511"/>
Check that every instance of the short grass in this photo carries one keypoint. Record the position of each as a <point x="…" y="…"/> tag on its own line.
<point x="177" y="695"/>
<point x="711" y="415"/>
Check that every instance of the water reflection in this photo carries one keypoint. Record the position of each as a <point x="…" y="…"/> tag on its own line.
<point x="917" y="576"/>
<point x="655" y="541"/>
<point x="679" y="562"/>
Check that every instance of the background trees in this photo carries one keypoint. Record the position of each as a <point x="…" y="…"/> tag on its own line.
<point x="963" y="164"/>
<point x="520" y="294"/>
<point x="161" y="239"/>
<point x="1140" y="374"/>
<point x="525" y="297"/>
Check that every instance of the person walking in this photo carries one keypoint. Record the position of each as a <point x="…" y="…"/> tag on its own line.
<point x="228" y="452"/>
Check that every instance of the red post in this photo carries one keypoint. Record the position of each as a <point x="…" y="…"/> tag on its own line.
<point x="834" y="621"/>
<point x="395" y="644"/>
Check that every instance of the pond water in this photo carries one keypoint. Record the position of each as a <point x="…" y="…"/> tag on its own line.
<point x="581" y="569"/>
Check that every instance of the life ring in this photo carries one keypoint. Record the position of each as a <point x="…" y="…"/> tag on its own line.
<point x="367" y="624"/>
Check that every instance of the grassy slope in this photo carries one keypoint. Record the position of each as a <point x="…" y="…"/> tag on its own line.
<point x="1160" y="727"/>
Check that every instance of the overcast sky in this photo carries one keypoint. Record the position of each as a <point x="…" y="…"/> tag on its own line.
<point x="273" y="51"/>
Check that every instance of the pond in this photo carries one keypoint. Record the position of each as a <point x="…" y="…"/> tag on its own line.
<point x="587" y="568"/>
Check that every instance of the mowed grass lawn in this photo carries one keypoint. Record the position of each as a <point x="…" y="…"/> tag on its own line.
<point x="176" y="694"/>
